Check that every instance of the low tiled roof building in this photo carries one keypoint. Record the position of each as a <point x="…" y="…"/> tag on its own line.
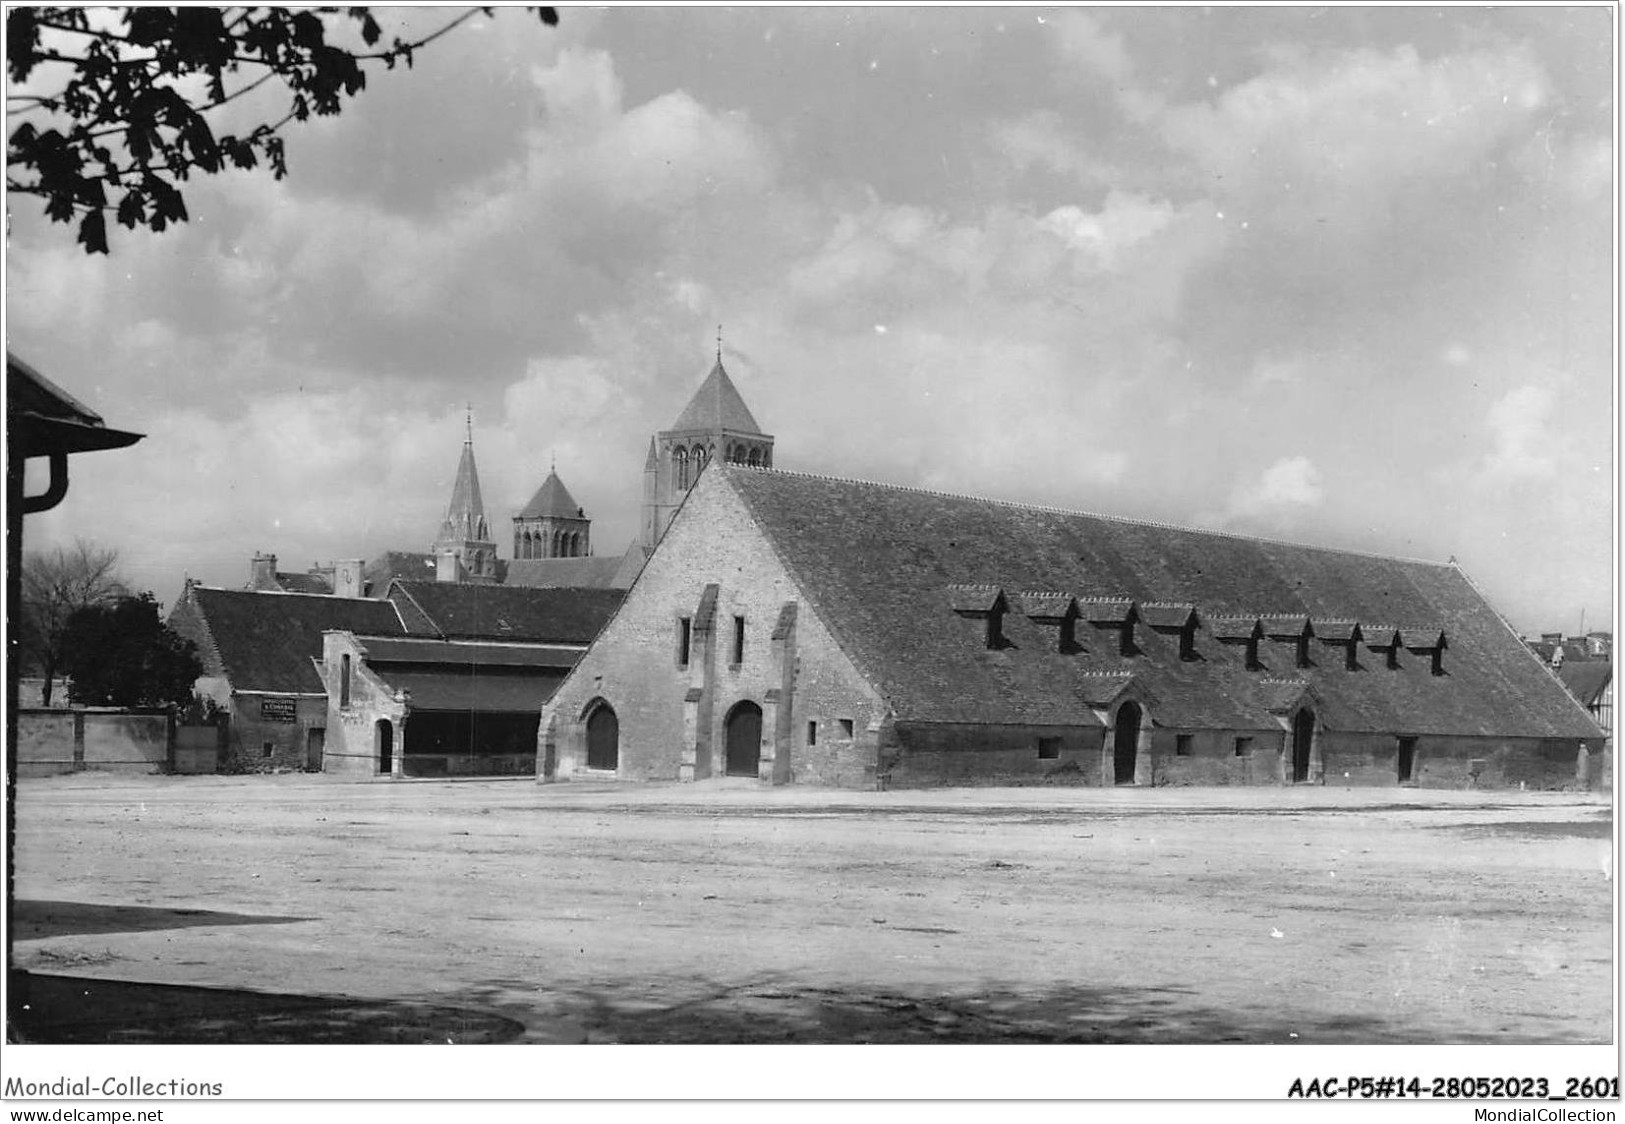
<point x="261" y="654"/>
<point x="799" y="627"/>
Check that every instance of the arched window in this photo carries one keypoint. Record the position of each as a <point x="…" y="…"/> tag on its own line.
<point x="558" y="545"/>
<point x="679" y="466"/>
<point x="756" y="457"/>
<point x="575" y="546"/>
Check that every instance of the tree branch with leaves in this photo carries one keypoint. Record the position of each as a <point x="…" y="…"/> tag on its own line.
<point x="120" y="112"/>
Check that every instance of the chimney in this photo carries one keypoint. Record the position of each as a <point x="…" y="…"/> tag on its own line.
<point x="447" y="567"/>
<point x="262" y="572"/>
<point x="347" y="578"/>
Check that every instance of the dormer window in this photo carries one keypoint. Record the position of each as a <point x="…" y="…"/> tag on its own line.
<point x="1112" y="613"/>
<point x="1174" y="619"/>
<point x="984" y="603"/>
<point x="1057" y="609"/>
<point x="1342" y="634"/>
<point x="1385" y="640"/>
<point x="1243" y="631"/>
<point x="1428" y="642"/>
<point x="1294" y="629"/>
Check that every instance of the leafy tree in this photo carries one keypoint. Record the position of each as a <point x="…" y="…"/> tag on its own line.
<point x="56" y="584"/>
<point x="131" y="115"/>
<point x="123" y="654"/>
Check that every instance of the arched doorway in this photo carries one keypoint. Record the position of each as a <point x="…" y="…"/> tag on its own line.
<point x="603" y="738"/>
<point x="1303" y="735"/>
<point x="744" y="752"/>
<point x="1126" y="743"/>
<point x="386" y="747"/>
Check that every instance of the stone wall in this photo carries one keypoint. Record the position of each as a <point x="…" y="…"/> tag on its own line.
<point x="55" y="741"/>
<point x="352" y="747"/>
<point x="672" y="716"/>
<point x="928" y="754"/>
<point x="271" y="733"/>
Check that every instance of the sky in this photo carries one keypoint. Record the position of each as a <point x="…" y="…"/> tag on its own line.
<point x="1340" y="276"/>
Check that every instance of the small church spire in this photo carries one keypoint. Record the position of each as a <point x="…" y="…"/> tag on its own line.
<point x="468" y="419"/>
<point x="719" y="343"/>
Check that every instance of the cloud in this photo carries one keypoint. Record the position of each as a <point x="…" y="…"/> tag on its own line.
<point x="1522" y="448"/>
<point x="1282" y="491"/>
<point x="1092" y="50"/>
<point x="1339" y="132"/>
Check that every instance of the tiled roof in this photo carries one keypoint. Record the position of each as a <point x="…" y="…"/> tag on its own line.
<point x="1107" y="610"/>
<point x="973" y="597"/>
<point x="716" y="406"/>
<point x="425" y="651"/>
<point x="1234" y="628"/>
<point x="1380" y="636"/>
<point x="551" y="499"/>
<point x="1161" y="614"/>
<point x="1285" y="626"/>
<point x="1423" y="639"/>
<point x="1585" y="679"/>
<point x="1337" y="632"/>
<point x="1049" y="606"/>
<point x="873" y="562"/>
<point x="43" y="418"/>
<point x="595" y="572"/>
<point x="485" y="691"/>
<point x="266" y="641"/>
<point x="469" y="610"/>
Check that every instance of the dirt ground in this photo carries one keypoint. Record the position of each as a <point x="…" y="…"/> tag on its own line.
<point x="300" y="908"/>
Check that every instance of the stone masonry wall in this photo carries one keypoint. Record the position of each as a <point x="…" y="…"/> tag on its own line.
<point x="634" y="665"/>
<point x="352" y="731"/>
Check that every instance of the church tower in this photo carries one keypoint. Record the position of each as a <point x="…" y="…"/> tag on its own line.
<point x="715" y="423"/>
<point x="464" y="549"/>
<point x="552" y="524"/>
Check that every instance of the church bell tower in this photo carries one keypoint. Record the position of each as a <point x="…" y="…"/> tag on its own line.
<point x="715" y="423"/>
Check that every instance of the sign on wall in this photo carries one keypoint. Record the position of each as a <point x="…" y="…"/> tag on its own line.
<point x="278" y="710"/>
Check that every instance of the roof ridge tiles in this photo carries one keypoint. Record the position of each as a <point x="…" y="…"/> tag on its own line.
<point x="1054" y="510"/>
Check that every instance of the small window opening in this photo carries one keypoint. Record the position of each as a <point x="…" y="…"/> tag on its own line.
<point x="685" y="638"/>
<point x="1244" y="747"/>
<point x="739" y="640"/>
<point x="1182" y="745"/>
<point x="812" y="732"/>
<point x="344" y="680"/>
<point x="846" y="727"/>
<point x="268" y="750"/>
<point x="1049" y="749"/>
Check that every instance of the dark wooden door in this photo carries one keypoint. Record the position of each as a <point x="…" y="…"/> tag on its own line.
<point x="315" y="742"/>
<point x="1303" y="736"/>
<point x="744" y="753"/>
<point x="603" y="739"/>
<point x="1126" y="744"/>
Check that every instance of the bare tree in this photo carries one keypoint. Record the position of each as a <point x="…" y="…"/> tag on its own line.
<point x="56" y="584"/>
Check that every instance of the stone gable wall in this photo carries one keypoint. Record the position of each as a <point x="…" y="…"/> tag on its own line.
<point x="671" y="717"/>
